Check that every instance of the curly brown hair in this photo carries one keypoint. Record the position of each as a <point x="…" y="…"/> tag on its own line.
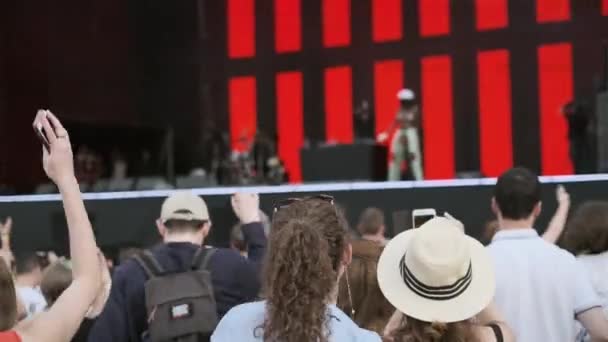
<point x="306" y="245"/>
<point x="414" y="330"/>
<point x="8" y="298"/>
<point x="587" y="231"/>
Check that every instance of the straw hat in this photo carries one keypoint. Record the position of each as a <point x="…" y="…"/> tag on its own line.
<point x="436" y="273"/>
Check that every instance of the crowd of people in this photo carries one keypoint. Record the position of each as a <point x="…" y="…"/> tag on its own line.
<point x="303" y="275"/>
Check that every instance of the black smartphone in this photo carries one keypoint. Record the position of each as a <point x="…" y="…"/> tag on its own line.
<point x="42" y="138"/>
<point x="422" y="216"/>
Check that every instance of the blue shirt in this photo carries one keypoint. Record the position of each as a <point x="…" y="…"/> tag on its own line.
<point x="235" y="281"/>
<point x="243" y="322"/>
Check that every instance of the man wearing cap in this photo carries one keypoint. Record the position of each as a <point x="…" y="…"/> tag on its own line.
<point x="405" y="144"/>
<point x="184" y="224"/>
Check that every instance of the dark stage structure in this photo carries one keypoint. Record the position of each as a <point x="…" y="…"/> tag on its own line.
<point x="127" y="219"/>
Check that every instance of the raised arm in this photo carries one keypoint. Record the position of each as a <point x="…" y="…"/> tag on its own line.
<point x="5" y="236"/>
<point x="594" y="321"/>
<point x="62" y="320"/>
<point x="247" y="208"/>
<point x="558" y="222"/>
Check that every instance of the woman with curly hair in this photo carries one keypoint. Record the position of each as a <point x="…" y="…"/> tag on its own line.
<point x="442" y="283"/>
<point x="308" y="253"/>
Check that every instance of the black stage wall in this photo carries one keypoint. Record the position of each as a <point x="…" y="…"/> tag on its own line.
<point x="120" y="222"/>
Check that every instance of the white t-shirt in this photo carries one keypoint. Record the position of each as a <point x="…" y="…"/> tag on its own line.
<point x="32" y="299"/>
<point x="540" y="288"/>
<point x="596" y="266"/>
<point x="243" y="322"/>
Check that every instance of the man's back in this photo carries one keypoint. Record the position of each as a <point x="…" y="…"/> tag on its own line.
<point x="540" y="288"/>
<point x="234" y="278"/>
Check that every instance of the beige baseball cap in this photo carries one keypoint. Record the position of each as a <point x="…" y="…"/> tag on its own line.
<point x="184" y="205"/>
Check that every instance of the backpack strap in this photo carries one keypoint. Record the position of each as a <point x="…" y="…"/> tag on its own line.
<point x="202" y="257"/>
<point x="148" y="262"/>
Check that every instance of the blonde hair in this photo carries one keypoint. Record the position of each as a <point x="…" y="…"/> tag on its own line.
<point x="56" y="279"/>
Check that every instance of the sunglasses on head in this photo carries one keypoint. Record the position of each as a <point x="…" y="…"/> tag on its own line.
<point x="282" y="204"/>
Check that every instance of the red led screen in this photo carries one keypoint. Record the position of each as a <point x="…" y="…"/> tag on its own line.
<point x="555" y="90"/>
<point x="336" y="23"/>
<point x="494" y="88"/>
<point x="491" y="14"/>
<point x="339" y="105"/>
<point x="290" y="121"/>
<point x="242" y="110"/>
<point x="241" y="28"/>
<point x="387" y="20"/>
<point x="437" y="117"/>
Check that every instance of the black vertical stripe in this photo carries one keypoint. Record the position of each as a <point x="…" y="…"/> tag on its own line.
<point x="464" y="87"/>
<point x="214" y="92"/>
<point x="588" y="59"/>
<point x="524" y="86"/>
<point x="411" y="53"/>
<point x="265" y="76"/>
<point x="314" y="113"/>
<point x="363" y="78"/>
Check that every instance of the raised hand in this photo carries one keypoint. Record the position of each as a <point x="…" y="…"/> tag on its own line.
<point x="5" y="236"/>
<point x="6" y="227"/>
<point x="58" y="162"/>
<point x="563" y="197"/>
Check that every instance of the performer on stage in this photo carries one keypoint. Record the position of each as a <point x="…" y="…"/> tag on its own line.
<point x="582" y="136"/>
<point x="405" y="143"/>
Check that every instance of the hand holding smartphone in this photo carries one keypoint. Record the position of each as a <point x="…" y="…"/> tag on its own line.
<point x="40" y="133"/>
<point x="57" y="158"/>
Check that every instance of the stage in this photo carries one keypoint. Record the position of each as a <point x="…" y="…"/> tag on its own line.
<point x="127" y="218"/>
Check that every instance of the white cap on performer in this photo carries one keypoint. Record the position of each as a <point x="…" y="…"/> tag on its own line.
<point x="406" y="95"/>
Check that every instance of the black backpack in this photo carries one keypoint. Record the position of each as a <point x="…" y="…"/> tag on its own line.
<point x="181" y="306"/>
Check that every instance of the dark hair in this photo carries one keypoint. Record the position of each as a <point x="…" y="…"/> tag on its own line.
<point x="185" y="225"/>
<point x="489" y="230"/>
<point x="517" y="192"/>
<point x="370" y="221"/>
<point x="359" y="290"/>
<point x="307" y="242"/>
<point x="414" y="330"/>
<point x="408" y="104"/>
<point x="57" y="277"/>
<point x="127" y="253"/>
<point x="587" y="231"/>
<point x="26" y="262"/>
<point x="8" y="298"/>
